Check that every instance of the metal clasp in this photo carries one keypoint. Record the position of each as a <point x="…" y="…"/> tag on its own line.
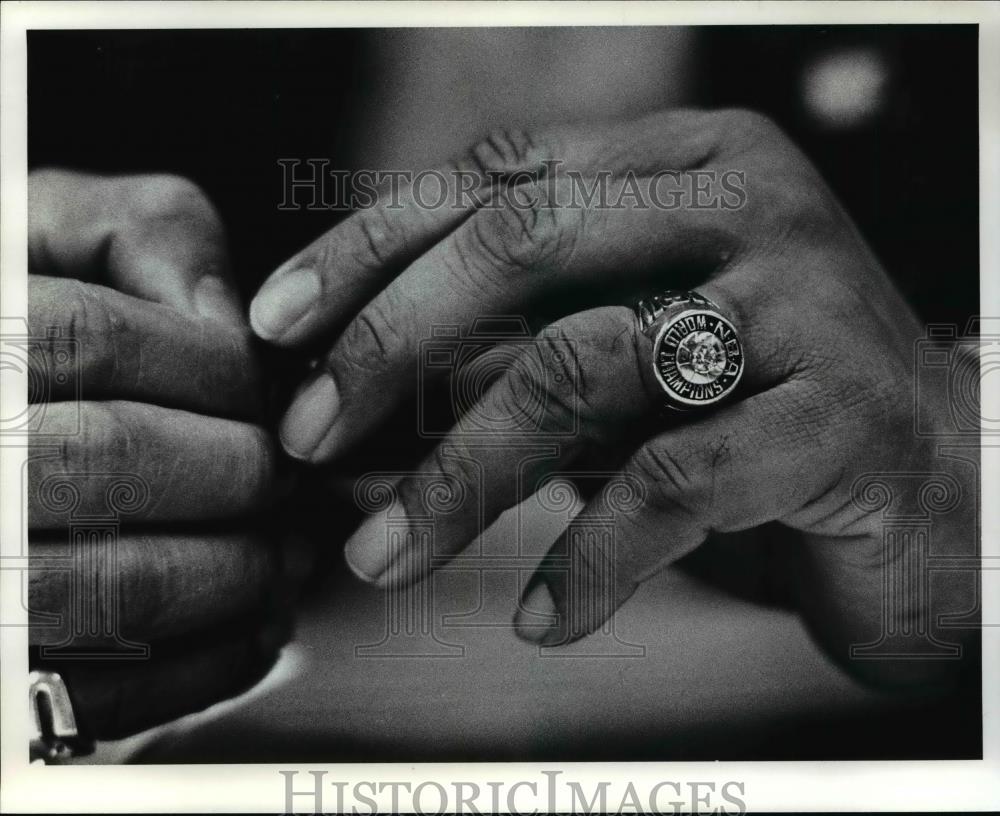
<point x="55" y="736"/>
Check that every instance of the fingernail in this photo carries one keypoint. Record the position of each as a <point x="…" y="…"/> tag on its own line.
<point x="215" y="301"/>
<point x="310" y="416"/>
<point x="372" y="549"/>
<point x="537" y="619"/>
<point x="283" y="301"/>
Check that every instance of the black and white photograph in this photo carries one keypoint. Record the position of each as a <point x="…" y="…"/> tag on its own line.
<point x="554" y="389"/>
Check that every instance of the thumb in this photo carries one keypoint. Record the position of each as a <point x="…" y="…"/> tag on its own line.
<point x="156" y="237"/>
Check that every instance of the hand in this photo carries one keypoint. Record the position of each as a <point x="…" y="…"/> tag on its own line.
<point x="143" y="360"/>
<point x="827" y="395"/>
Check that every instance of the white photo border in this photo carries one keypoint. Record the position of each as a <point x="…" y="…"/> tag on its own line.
<point x="770" y="786"/>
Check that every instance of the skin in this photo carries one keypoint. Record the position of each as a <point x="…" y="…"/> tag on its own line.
<point x="826" y="398"/>
<point x="132" y="272"/>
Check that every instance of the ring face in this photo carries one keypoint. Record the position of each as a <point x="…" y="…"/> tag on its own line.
<point x="697" y="358"/>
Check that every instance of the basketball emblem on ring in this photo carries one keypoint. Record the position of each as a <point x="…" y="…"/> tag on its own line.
<point x="698" y="358"/>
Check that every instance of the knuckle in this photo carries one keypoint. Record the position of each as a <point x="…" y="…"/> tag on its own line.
<point x="324" y="255"/>
<point x="378" y="234"/>
<point x="456" y="463"/>
<point x="372" y="340"/>
<point x="168" y="192"/>
<point x="450" y="472"/>
<point x="164" y="196"/>
<point x="799" y="206"/>
<point x="104" y="440"/>
<point x="747" y="123"/>
<point x="87" y="319"/>
<point x="562" y="384"/>
<point x="523" y="234"/>
<point x="504" y="150"/>
<point x="538" y="390"/>
<point x="696" y="123"/>
<point x="93" y="327"/>
<point x="719" y="451"/>
<point x="673" y="476"/>
<point x="749" y="132"/>
<point x="560" y="354"/>
<point x="544" y="388"/>
<point x="866" y="406"/>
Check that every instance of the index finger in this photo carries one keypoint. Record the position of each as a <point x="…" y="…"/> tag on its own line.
<point x="319" y="288"/>
<point x="323" y="286"/>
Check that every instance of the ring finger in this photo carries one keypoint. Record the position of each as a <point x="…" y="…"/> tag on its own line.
<point x="576" y="393"/>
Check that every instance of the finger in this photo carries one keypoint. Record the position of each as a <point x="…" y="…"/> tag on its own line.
<point x="501" y="261"/>
<point x="145" y="587"/>
<point x="114" y="698"/>
<point x="94" y="342"/>
<point x="756" y="461"/>
<point x="327" y="283"/>
<point x="146" y="462"/>
<point x="318" y="289"/>
<point x="577" y="385"/>
<point x="156" y="237"/>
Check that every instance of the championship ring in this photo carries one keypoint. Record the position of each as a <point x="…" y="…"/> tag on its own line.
<point x="697" y="353"/>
